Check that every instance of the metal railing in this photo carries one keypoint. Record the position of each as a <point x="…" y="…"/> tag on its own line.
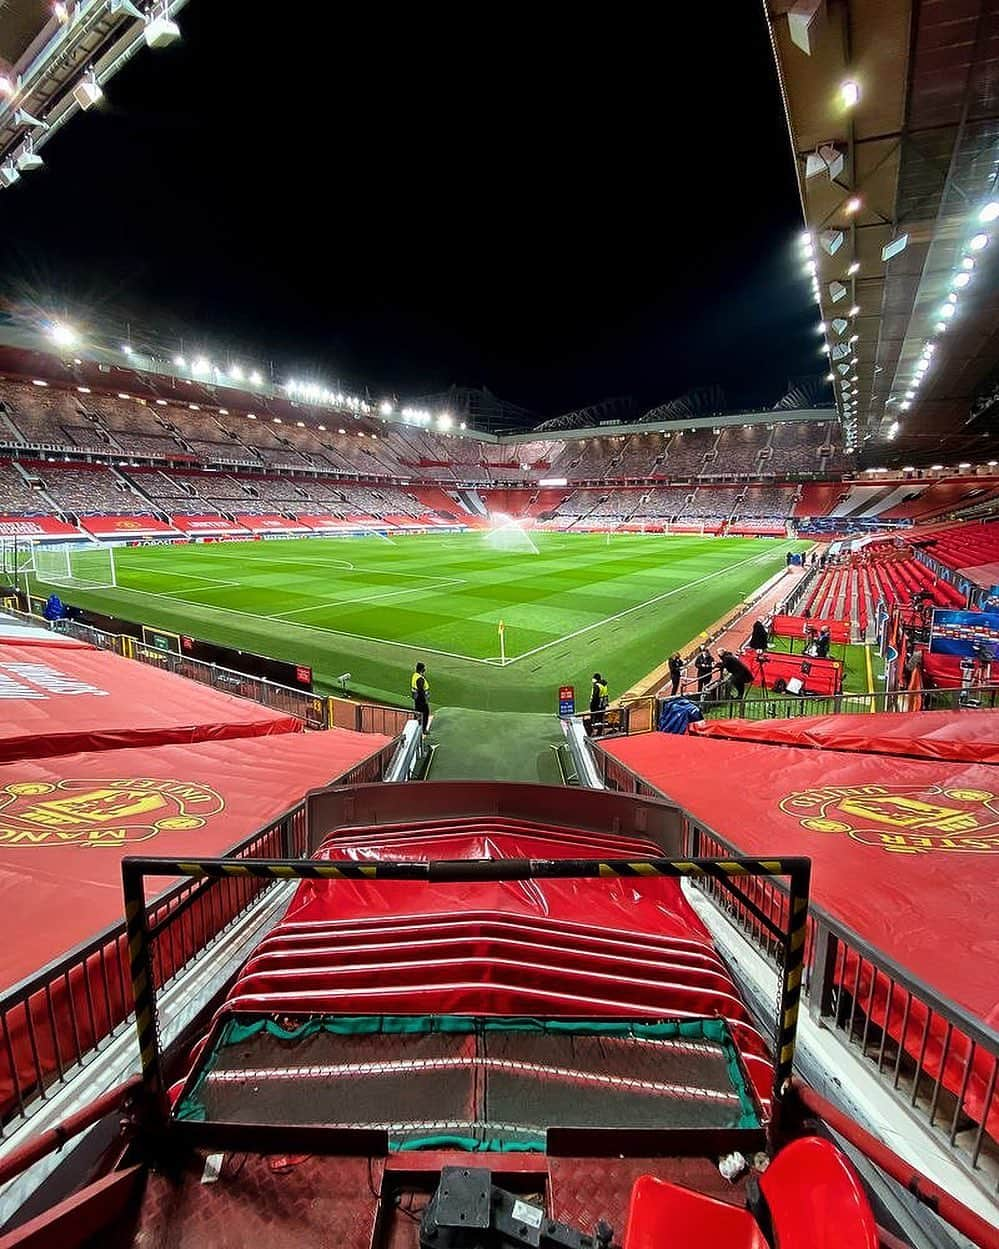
<point x="939" y="1061"/>
<point x="787" y="706"/>
<point x="53" y="1023"/>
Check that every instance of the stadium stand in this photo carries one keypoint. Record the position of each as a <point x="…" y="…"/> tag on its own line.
<point x="964" y="547"/>
<point x="710" y="503"/>
<point x="18" y="495"/>
<point x="688" y="451"/>
<point x="88" y="488"/>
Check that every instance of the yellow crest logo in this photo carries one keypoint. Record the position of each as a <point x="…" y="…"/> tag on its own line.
<point x="102" y="813"/>
<point x="901" y="819"/>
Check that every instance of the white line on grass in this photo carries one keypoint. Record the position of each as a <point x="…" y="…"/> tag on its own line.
<point x="429" y="650"/>
<point x="441" y="582"/>
<point x="680" y="589"/>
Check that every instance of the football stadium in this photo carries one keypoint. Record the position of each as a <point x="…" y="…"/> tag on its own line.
<point x="596" y="783"/>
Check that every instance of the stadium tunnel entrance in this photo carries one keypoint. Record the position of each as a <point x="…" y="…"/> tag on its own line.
<point x="469" y="745"/>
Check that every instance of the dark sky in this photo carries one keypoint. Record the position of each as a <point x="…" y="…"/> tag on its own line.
<point x="559" y="211"/>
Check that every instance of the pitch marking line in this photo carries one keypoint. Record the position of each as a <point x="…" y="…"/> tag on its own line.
<point x="637" y="607"/>
<point x="430" y="650"/>
<point x="440" y="583"/>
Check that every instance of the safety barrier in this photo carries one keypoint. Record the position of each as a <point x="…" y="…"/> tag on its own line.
<point x="55" y="1021"/>
<point x="315" y="710"/>
<point x="782" y="707"/>
<point x="145" y="937"/>
<point x="939" y="1061"/>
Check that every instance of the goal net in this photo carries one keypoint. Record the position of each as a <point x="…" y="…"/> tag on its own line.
<point x="76" y="567"/>
<point x="16" y="557"/>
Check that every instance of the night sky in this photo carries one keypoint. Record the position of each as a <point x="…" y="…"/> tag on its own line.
<point x="560" y="212"/>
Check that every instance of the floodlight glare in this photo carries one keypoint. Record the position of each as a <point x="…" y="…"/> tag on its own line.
<point x="201" y="365"/>
<point x="940" y="327"/>
<point x="849" y="93"/>
<point x="180" y="362"/>
<point x="854" y="268"/>
<point x="127" y="349"/>
<point x="948" y="310"/>
<point x="990" y="212"/>
<point x="978" y="241"/>
<point x="64" y="335"/>
<point x="962" y="279"/>
<point x="967" y="263"/>
<point x="852" y="205"/>
<point x="385" y="408"/>
<point x="255" y="378"/>
<point x="235" y="372"/>
<point x="854" y="311"/>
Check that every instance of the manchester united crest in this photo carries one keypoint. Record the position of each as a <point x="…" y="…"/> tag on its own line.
<point x="98" y="814"/>
<point x="902" y="819"/>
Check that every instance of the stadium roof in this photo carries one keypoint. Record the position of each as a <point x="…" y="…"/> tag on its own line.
<point x="55" y="59"/>
<point x="893" y="110"/>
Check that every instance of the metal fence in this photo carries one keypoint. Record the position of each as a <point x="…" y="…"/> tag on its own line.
<point x="782" y="707"/>
<point x="938" y="1060"/>
<point x="315" y="710"/>
<point x="55" y="1021"/>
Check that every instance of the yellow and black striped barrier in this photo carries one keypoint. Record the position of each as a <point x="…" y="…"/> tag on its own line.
<point x="727" y="870"/>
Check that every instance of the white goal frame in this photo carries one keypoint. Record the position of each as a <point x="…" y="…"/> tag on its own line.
<point x="68" y="566"/>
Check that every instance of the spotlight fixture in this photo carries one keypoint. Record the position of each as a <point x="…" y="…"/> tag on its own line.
<point x="854" y="311"/>
<point x="179" y="362"/>
<point x="849" y="93"/>
<point x="967" y="263"/>
<point x="88" y="91"/>
<point x="978" y="241"/>
<point x="852" y="205"/>
<point x="854" y="268"/>
<point x="961" y="279"/>
<point x="948" y="310"/>
<point x="990" y="212"/>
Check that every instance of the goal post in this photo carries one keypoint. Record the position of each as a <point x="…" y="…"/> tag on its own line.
<point x="76" y="567"/>
<point x="17" y="556"/>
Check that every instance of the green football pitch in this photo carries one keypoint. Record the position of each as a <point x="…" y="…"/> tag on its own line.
<point x="371" y="607"/>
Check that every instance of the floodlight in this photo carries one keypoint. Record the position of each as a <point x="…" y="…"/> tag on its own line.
<point x="962" y="279"/>
<point x="385" y="408"/>
<point x="853" y="268"/>
<point x="127" y="349"/>
<point x="806" y="240"/>
<point x="201" y="365"/>
<point x="28" y="159"/>
<point x="978" y="241"/>
<point x="180" y="362"/>
<point x="852" y="205"/>
<point x="6" y="86"/>
<point x="894" y="247"/>
<point x="948" y="310"/>
<point x="235" y="372"/>
<point x="940" y="326"/>
<point x="255" y="378"/>
<point x="88" y="91"/>
<point x="967" y="263"/>
<point x="830" y="377"/>
<point x="849" y="93"/>
<point x="821" y="327"/>
<point x="64" y="335"/>
<point x="964" y="464"/>
<point x="990" y="212"/>
<point x="161" y="32"/>
<point x="854" y="311"/>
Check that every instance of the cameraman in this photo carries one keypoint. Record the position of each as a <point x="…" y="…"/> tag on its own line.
<point x="738" y="674"/>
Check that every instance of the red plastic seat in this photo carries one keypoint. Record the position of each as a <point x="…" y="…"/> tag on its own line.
<point x="816" y="1200"/>
<point x="661" y="1214"/>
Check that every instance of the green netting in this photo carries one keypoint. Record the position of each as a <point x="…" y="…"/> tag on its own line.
<point x="238" y="1031"/>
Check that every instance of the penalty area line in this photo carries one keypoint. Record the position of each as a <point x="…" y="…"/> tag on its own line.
<point x="658" y="598"/>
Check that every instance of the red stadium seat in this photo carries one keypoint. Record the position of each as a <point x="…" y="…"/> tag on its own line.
<point x="666" y="1216"/>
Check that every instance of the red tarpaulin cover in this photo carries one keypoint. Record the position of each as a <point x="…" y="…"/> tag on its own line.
<point x="36" y="527"/>
<point x="824" y="676"/>
<point x="206" y="524"/>
<point x="66" y="824"/>
<point x="904" y="852"/>
<point x="54" y="700"/>
<point x="124" y="525"/>
<point x="968" y="736"/>
<point x="271" y="522"/>
<point x="795" y="626"/>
